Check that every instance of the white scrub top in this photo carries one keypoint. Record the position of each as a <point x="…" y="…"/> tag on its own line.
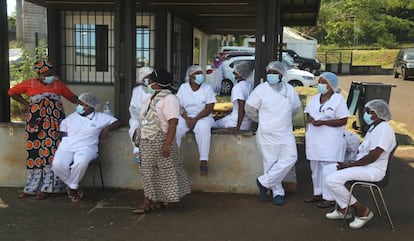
<point x="194" y="102"/>
<point x="382" y="136"/>
<point x="83" y="131"/>
<point x="276" y="109"/>
<point x="138" y="98"/>
<point x="326" y="143"/>
<point x="240" y="91"/>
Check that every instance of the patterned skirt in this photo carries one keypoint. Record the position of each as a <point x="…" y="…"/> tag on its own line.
<point x="42" y="139"/>
<point x="164" y="178"/>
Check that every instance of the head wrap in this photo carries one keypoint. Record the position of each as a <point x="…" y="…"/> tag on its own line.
<point x="191" y="70"/>
<point x="332" y="80"/>
<point x="143" y="72"/>
<point x="244" y="69"/>
<point x="89" y="99"/>
<point x="380" y="107"/>
<point x="276" y="65"/>
<point x="162" y="77"/>
<point x="42" y="66"/>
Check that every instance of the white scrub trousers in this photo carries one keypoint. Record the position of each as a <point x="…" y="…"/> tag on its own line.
<point x="70" y="166"/>
<point x="202" y="131"/>
<point x="277" y="162"/>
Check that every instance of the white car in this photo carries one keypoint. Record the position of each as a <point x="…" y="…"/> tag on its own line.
<point x="293" y="76"/>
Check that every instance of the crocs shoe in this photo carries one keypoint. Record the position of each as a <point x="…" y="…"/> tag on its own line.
<point x="359" y="222"/>
<point x="262" y="191"/>
<point x="279" y="200"/>
<point x="335" y="214"/>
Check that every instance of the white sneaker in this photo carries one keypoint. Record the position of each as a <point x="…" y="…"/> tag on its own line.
<point x="335" y="214"/>
<point x="359" y="222"/>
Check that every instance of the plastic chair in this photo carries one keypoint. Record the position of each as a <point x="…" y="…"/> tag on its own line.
<point x="377" y="186"/>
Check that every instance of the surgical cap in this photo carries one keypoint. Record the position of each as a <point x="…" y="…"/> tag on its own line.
<point x="276" y="65"/>
<point x="191" y="70"/>
<point x="380" y="107"/>
<point x="331" y="78"/>
<point x="89" y="99"/>
<point x="42" y="66"/>
<point x="143" y="72"/>
<point x="244" y="69"/>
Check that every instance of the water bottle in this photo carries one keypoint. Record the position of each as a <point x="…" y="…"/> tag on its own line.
<point x="107" y="109"/>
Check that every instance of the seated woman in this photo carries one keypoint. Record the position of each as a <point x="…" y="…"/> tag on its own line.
<point x="370" y="165"/>
<point x="237" y="120"/>
<point x="197" y="103"/>
<point x="80" y="132"/>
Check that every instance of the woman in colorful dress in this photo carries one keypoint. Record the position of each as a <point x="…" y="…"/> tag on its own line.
<point x="44" y="114"/>
<point x="164" y="178"/>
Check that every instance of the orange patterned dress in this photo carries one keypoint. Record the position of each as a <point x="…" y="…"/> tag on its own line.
<point x="42" y="132"/>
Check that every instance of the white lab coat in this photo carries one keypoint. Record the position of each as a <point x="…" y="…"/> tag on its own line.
<point x="275" y="105"/>
<point x="193" y="102"/>
<point x="240" y="91"/>
<point x="80" y="146"/>
<point x="382" y="136"/>
<point x="138" y="98"/>
<point x="325" y="144"/>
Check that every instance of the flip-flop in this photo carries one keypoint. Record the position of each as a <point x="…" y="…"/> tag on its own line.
<point x="326" y="204"/>
<point x="203" y="170"/>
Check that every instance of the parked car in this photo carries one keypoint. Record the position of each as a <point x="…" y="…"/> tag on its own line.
<point x="404" y="63"/>
<point x="308" y="64"/>
<point x="294" y="76"/>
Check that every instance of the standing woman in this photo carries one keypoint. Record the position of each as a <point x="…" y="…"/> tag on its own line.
<point x="164" y="179"/>
<point x="45" y="112"/>
<point x="327" y="114"/>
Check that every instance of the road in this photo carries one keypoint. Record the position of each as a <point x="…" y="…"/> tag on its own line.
<point x="401" y="100"/>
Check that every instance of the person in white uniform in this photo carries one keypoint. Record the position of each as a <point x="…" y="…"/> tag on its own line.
<point x="138" y="98"/>
<point x="197" y="102"/>
<point x="273" y="104"/>
<point x="237" y="120"/>
<point x="327" y="115"/>
<point x="371" y="164"/>
<point x="80" y="132"/>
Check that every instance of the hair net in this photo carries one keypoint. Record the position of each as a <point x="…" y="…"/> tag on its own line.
<point x="244" y="69"/>
<point x="380" y="107"/>
<point x="143" y="72"/>
<point x="191" y="70"/>
<point x="276" y="65"/>
<point x="89" y="99"/>
<point x="331" y="78"/>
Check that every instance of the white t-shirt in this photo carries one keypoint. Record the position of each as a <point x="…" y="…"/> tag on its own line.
<point x="83" y="131"/>
<point x="326" y="143"/>
<point x="194" y="102"/>
<point x="275" y="109"/>
<point x="382" y="136"/>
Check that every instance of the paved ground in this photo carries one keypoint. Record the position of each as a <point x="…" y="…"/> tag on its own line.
<point x="107" y="215"/>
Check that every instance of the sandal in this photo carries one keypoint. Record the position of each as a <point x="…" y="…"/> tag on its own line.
<point x="145" y="207"/>
<point x="42" y="195"/>
<point x="74" y="195"/>
<point x="203" y="168"/>
<point x="24" y="195"/>
<point x="313" y="199"/>
<point x="326" y="204"/>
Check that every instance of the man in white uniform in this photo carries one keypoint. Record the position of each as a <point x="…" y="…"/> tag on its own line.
<point x="273" y="104"/>
<point x="80" y="132"/>
<point x="237" y="120"/>
<point x="197" y="102"/>
<point x="138" y="98"/>
<point x="371" y="164"/>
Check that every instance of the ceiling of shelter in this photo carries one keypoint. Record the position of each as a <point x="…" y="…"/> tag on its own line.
<point x="212" y="16"/>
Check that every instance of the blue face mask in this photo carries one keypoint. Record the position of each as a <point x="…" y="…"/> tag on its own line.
<point x="367" y="118"/>
<point x="199" y="78"/>
<point x="233" y="77"/>
<point x="80" y="109"/>
<point x="273" y="78"/>
<point x="49" y="79"/>
<point x="146" y="83"/>
<point x="322" y="88"/>
<point x="150" y="90"/>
